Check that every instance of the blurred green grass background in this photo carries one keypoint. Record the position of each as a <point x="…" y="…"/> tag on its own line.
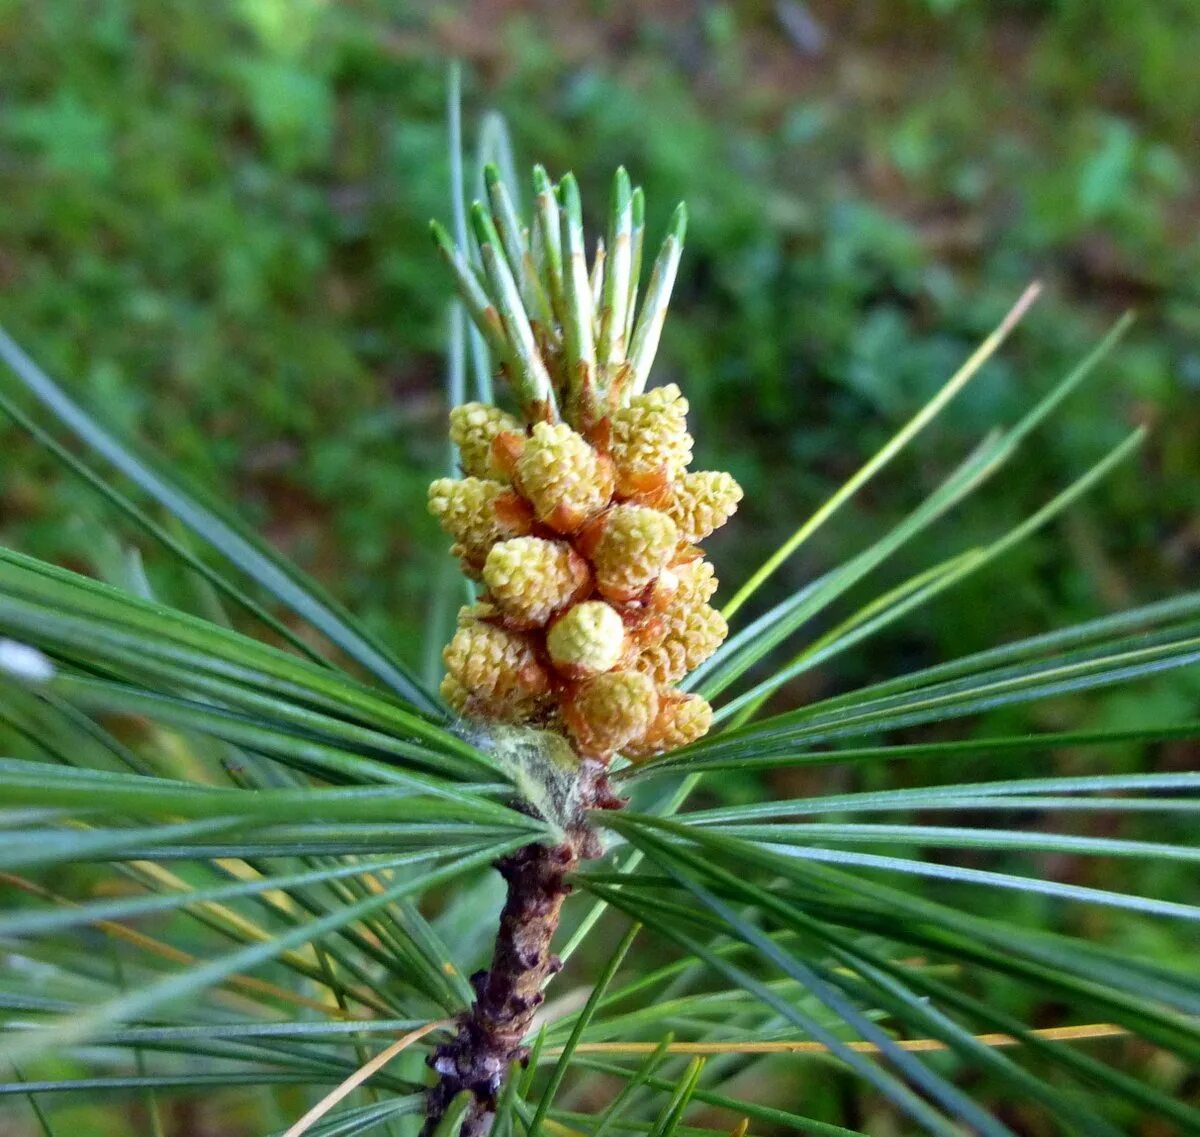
<point x="213" y="226"/>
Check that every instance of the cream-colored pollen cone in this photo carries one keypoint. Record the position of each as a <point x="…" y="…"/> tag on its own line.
<point x="635" y="546"/>
<point x="473" y="427"/>
<point x="562" y="477"/>
<point x="610" y="710"/>
<point x="587" y="640"/>
<point x="530" y="578"/>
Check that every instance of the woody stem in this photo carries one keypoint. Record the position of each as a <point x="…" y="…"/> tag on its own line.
<point x="490" y="1034"/>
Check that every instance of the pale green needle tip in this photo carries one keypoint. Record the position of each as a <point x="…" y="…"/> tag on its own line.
<point x="679" y="221"/>
<point x="482" y="224"/>
<point x="622" y="191"/>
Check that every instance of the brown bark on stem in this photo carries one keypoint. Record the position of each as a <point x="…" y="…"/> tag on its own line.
<point x="490" y="1035"/>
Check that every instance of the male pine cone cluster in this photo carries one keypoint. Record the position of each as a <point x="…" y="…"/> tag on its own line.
<point x="595" y="601"/>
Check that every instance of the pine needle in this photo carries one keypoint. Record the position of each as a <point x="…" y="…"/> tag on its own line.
<point x="149" y="944"/>
<point x="913" y="427"/>
<point x="1082" y="1032"/>
<point x="361" y="1075"/>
